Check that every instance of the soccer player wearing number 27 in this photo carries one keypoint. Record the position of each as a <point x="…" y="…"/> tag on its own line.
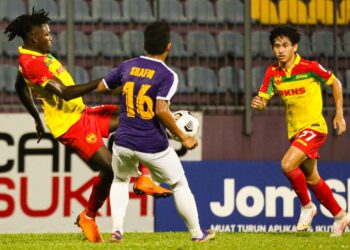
<point x="75" y="125"/>
<point x="148" y="85"/>
<point x="297" y="82"/>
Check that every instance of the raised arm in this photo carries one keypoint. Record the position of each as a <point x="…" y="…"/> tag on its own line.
<point x="70" y="92"/>
<point x="338" y="122"/>
<point x="25" y="96"/>
<point x="164" y="115"/>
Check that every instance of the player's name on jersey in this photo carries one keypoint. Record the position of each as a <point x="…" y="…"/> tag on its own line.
<point x="142" y="72"/>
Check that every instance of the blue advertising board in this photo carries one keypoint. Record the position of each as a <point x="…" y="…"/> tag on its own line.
<point x="250" y="196"/>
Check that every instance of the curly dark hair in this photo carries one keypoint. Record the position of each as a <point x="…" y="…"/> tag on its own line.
<point x="288" y="31"/>
<point x="24" y="24"/>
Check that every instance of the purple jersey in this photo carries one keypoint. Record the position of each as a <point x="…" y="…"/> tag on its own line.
<point x="143" y="80"/>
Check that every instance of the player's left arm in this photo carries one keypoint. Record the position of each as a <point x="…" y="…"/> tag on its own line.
<point x="25" y="96"/>
<point x="339" y="123"/>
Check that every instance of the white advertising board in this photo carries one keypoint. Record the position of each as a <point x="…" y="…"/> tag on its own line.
<point x="44" y="187"/>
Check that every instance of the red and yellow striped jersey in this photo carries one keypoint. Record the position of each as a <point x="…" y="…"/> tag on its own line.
<point x="300" y="90"/>
<point x="37" y="69"/>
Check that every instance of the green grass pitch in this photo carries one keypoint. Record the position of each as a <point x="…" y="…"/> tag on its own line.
<point x="160" y="241"/>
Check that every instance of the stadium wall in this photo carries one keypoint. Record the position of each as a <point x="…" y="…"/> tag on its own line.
<point x="223" y="139"/>
<point x="44" y="186"/>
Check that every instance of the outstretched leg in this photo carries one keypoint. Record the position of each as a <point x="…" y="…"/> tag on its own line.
<point x="100" y="191"/>
<point x="145" y="185"/>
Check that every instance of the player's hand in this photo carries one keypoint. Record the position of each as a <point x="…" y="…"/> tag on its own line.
<point x="339" y="124"/>
<point x="189" y="142"/>
<point x="40" y="131"/>
<point x="257" y="103"/>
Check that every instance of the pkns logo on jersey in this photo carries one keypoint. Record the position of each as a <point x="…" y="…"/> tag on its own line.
<point x="292" y="92"/>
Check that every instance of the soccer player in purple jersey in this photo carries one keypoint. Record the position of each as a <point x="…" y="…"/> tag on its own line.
<point x="148" y="85"/>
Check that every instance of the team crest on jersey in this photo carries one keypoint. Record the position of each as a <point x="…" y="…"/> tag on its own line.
<point x="91" y="138"/>
<point x="277" y="79"/>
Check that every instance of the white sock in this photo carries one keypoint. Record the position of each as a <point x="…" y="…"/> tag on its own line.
<point x="186" y="207"/>
<point x="119" y="199"/>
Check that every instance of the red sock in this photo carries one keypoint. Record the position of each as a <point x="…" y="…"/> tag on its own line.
<point x="99" y="193"/>
<point x="298" y="181"/>
<point x="324" y="194"/>
<point x="143" y="169"/>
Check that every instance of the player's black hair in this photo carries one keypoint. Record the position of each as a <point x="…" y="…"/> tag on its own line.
<point x="24" y="24"/>
<point x="157" y="37"/>
<point x="288" y="31"/>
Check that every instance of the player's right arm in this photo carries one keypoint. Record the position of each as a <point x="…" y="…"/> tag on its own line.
<point x="259" y="103"/>
<point x="56" y="86"/>
<point x="163" y="113"/>
<point x="25" y="96"/>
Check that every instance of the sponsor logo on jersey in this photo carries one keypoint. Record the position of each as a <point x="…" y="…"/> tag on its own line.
<point x="292" y="92"/>
<point x="300" y="76"/>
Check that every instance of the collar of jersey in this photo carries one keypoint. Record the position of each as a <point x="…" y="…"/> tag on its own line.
<point x="152" y="59"/>
<point x="296" y="62"/>
<point x="28" y="51"/>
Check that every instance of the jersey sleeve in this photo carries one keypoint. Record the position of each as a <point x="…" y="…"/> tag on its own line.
<point x="321" y="74"/>
<point x="168" y="87"/>
<point x="266" y="89"/>
<point x="37" y="72"/>
<point x="114" y="78"/>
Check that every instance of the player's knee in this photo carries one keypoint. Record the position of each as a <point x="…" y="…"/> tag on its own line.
<point x="181" y="184"/>
<point x="107" y="175"/>
<point x="286" y="166"/>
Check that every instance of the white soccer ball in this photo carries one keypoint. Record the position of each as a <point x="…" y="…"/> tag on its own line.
<point x="187" y="122"/>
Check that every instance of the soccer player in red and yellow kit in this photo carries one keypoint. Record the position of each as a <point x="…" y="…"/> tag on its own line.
<point x="297" y="81"/>
<point x="75" y="125"/>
